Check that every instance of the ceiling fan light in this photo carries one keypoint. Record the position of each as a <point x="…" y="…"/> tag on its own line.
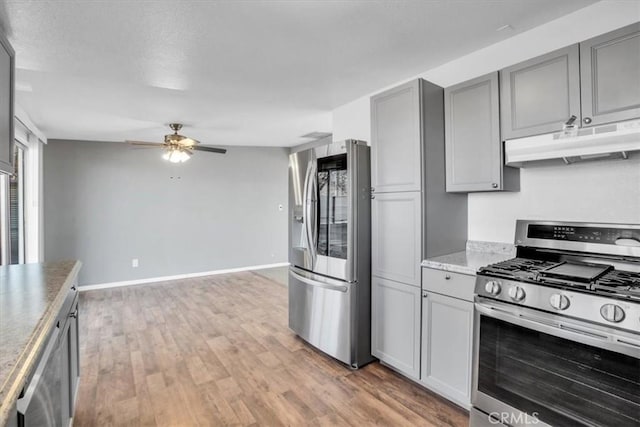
<point x="176" y="155"/>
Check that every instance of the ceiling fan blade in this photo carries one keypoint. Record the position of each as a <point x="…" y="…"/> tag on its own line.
<point x="209" y="149"/>
<point x="149" y="144"/>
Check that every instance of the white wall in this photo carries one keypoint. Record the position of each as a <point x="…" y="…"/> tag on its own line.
<point x="607" y="191"/>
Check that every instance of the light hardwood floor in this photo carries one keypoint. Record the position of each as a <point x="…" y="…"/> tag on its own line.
<point x="217" y="351"/>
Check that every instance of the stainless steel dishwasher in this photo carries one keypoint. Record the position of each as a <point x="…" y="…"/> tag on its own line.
<point x="48" y="399"/>
<point x="41" y="403"/>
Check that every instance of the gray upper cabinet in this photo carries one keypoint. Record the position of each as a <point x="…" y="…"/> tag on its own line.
<point x="537" y="96"/>
<point x="395" y="139"/>
<point x="7" y="71"/>
<point x="610" y="76"/>
<point x="472" y="135"/>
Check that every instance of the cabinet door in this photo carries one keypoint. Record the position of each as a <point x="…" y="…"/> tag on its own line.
<point x="395" y="325"/>
<point x="610" y="75"/>
<point x="472" y="135"/>
<point x="396" y="242"/>
<point x="447" y="342"/>
<point x="7" y="71"/>
<point x="74" y="358"/>
<point x="65" y="389"/>
<point x="539" y="95"/>
<point x="395" y="139"/>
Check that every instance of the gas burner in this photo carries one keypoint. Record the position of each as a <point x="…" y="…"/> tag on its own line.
<point x="519" y="268"/>
<point x="620" y="278"/>
<point x="619" y="283"/>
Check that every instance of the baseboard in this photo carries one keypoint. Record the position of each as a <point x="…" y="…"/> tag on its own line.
<point x="83" y="288"/>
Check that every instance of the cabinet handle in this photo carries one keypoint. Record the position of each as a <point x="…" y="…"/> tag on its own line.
<point x="447" y="277"/>
<point x="73" y="288"/>
<point x="571" y="120"/>
<point x="424" y="294"/>
<point x="587" y="120"/>
<point x="373" y="197"/>
<point x="74" y="314"/>
<point x="494" y="185"/>
<point x="373" y="189"/>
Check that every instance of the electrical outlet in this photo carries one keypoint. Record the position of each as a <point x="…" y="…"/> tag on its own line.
<point x="134" y="263"/>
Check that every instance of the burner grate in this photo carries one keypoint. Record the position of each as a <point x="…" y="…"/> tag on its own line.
<point x="620" y="283"/>
<point x="519" y="268"/>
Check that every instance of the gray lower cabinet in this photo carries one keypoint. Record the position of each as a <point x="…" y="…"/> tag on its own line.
<point x="473" y="147"/>
<point x="537" y="96"/>
<point x="395" y="327"/>
<point x="396" y="236"/>
<point x="73" y="350"/>
<point x="447" y="342"/>
<point x="396" y="139"/>
<point x="447" y="334"/>
<point x="610" y="76"/>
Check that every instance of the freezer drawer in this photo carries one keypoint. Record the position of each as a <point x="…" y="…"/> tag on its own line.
<point x="320" y="312"/>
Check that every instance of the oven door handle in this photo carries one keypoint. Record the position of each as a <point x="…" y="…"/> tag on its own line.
<point x="601" y="337"/>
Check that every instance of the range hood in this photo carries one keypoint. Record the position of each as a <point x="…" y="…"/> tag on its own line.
<point x="595" y="143"/>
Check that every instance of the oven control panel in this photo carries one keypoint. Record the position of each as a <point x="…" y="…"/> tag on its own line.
<point x="603" y="235"/>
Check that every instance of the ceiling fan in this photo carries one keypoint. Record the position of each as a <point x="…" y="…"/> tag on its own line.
<point x="178" y="148"/>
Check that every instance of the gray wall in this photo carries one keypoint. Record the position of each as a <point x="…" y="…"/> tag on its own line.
<point x="106" y="203"/>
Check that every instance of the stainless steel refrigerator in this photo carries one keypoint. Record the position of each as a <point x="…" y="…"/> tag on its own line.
<point x="330" y="249"/>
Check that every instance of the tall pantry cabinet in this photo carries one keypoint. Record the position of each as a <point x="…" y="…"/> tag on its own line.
<point x="413" y="217"/>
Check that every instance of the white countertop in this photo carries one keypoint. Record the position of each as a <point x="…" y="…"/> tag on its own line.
<point x="477" y="255"/>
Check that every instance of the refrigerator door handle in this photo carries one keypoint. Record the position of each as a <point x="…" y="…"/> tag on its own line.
<point x="313" y="226"/>
<point x="326" y="285"/>
<point x="310" y="206"/>
<point x="306" y="212"/>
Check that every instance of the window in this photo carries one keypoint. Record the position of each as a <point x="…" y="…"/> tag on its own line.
<point x="12" y="202"/>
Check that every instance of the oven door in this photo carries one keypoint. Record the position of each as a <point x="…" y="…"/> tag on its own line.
<point x="533" y="367"/>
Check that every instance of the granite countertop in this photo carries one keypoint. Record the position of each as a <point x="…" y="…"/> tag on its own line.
<point x="476" y="255"/>
<point x="31" y="296"/>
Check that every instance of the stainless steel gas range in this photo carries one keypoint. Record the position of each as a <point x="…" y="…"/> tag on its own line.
<point x="557" y="328"/>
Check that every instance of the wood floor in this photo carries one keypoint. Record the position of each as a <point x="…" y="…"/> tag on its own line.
<point x="216" y="351"/>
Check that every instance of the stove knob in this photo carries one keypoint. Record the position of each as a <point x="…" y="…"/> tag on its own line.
<point x="516" y="293"/>
<point x="559" y="301"/>
<point x="493" y="287"/>
<point x="612" y="313"/>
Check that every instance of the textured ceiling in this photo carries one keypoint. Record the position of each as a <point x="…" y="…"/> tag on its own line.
<point x="235" y="72"/>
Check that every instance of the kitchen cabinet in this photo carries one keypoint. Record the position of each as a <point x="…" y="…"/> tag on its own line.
<point x="473" y="147"/>
<point x="610" y="76"/>
<point x="447" y="334"/>
<point x="595" y="80"/>
<point x="7" y="76"/>
<point x="396" y="242"/>
<point x="395" y="139"/>
<point x="413" y="216"/>
<point x="395" y="325"/>
<point x="537" y="96"/>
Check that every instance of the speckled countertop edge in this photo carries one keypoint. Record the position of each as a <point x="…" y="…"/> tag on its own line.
<point x="476" y="255"/>
<point x="25" y="362"/>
